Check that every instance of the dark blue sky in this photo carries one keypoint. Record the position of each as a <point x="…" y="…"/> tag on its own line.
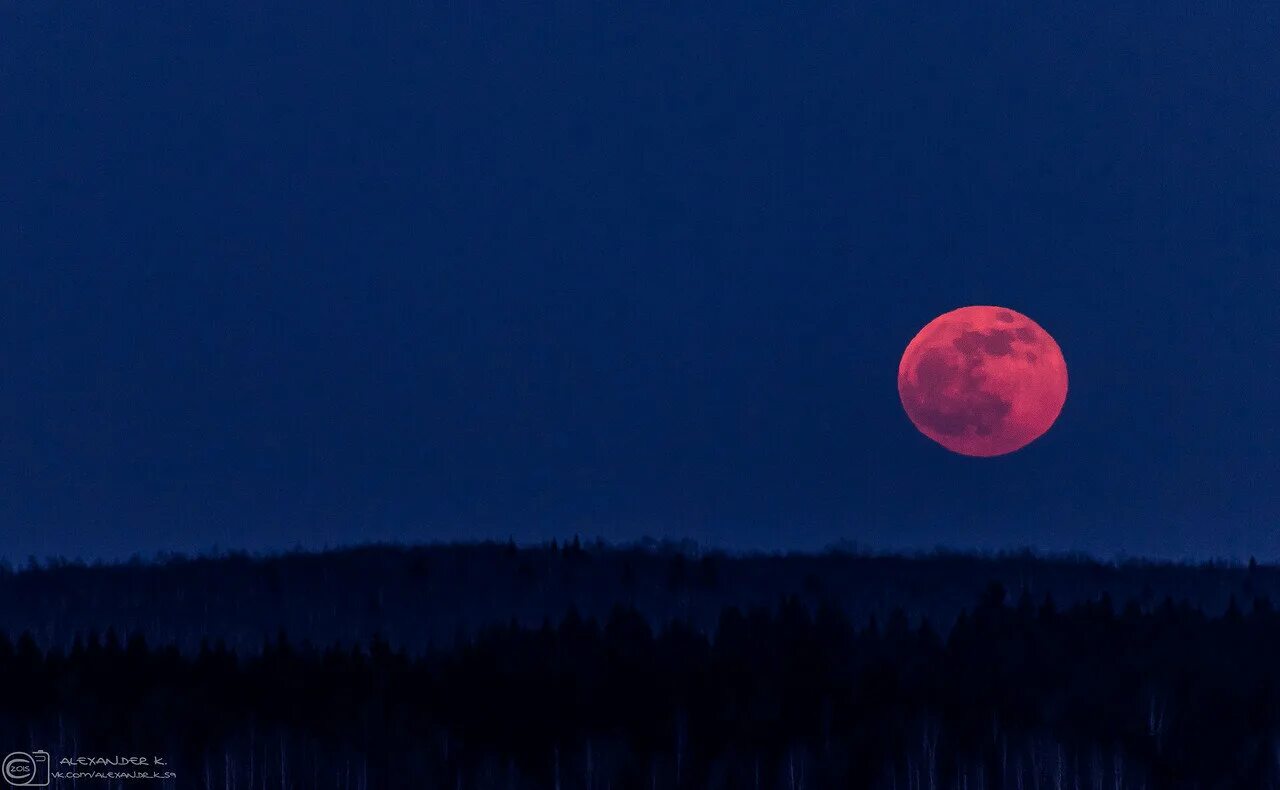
<point x="322" y="272"/>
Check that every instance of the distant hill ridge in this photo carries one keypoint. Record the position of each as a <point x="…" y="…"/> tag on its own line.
<point x="418" y="595"/>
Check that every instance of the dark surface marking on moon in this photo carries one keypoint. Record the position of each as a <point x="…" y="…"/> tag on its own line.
<point x="1026" y="333"/>
<point x="996" y="343"/>
<point x="1005" y="316"/>
<point x="949" y="413"/>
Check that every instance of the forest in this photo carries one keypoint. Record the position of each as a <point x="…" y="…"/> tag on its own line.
<point x="1016" y="693"/>
<point x="1017" y="689"/>
<point x="419" y="596"/>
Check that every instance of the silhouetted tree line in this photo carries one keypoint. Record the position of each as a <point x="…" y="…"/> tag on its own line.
<point x="417" y="596"/>
<point x="1013" y="695"/>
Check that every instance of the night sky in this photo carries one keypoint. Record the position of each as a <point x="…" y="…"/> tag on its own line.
<point x="316" y="273"/>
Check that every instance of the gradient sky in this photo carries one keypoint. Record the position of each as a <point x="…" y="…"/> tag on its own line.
<point x="322" y="272"/>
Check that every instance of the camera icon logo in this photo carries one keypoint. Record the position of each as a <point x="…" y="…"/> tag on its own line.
<point x="26" y="769"/>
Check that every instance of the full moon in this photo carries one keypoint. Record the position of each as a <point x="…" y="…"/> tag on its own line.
<point x="982" y="380"/>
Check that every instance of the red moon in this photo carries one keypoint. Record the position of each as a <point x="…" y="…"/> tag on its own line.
<point x="982" y="381"/>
